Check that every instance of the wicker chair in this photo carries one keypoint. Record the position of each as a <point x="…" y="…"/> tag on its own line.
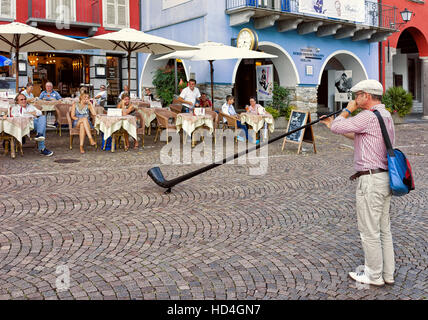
<point x="141" y="129"/>
<point x="176" y="108"/>
<point x="61" y="110"/>
<point x="162" y="117"/>
<point x="76" y="132"/>
<point x="231" y="122"/>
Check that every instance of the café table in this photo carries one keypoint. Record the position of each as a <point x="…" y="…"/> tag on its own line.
<point x="257" y="122"/>
<point x="189" y="123"/>
<point x="149" y="116"/>
<point x="17" y="128"/>
<point x="112" y="126"/>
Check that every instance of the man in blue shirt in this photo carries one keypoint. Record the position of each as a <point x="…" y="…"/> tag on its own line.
<point x="49" y="93"/>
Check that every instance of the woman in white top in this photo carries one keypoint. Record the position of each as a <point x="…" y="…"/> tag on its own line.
<point x="28" y="92"/>
<point x="255" y="108"/>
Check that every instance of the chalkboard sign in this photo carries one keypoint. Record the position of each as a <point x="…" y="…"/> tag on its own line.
<point x="297" y="120"/>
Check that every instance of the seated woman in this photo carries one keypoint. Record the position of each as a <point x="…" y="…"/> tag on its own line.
<point x="255" y="108"/>
<point x="127" y="109"/>
<point x="80" y="112"/>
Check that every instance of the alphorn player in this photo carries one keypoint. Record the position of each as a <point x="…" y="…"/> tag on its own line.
<point x="373" y="195"/>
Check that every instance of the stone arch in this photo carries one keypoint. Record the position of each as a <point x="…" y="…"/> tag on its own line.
<point x="419" y="38"/>
<point x="150" y="65"/>
<point x="349" y="61"/>
<point x="338" y="60"/>
<point x="284" y="64"/>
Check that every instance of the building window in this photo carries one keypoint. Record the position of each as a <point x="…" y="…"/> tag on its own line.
<point x="7" y="9"/>
<point x="116" y="13"/>
<point x="61" y="10"/>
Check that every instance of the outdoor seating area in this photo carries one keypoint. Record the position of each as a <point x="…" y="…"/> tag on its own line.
<point x="147" y="121"/>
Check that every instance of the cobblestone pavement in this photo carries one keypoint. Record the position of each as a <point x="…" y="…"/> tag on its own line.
<point x="291" y="234"/>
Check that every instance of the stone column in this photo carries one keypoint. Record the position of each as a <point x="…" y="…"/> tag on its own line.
<point x="306" y="99"/>
<point x="424" y="75"/>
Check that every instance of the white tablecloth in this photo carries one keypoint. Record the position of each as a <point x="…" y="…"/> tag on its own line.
<point x="108" y="125"/>
<point x="258" y="121"/>
<point x="188" y="122"/>
<point x="18" y="127"/>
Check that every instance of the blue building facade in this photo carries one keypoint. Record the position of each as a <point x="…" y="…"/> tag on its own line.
<point x="312" y="49"/>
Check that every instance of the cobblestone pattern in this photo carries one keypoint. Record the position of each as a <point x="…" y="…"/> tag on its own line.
<point x="291" y="234"/>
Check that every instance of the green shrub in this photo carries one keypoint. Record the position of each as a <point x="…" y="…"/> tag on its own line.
<point x="398" y="100"/>
<point x="280" y="101"/>
<point x="164" y="81"/>
<point x="275" y="113"/>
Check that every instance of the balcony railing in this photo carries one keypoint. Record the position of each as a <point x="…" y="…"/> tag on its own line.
<point x="82" y="12"/>
<point x="376" y="15"/>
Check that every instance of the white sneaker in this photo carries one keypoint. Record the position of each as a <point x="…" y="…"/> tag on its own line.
<point x="390" y="282"/>
<point x="363" y="278"/>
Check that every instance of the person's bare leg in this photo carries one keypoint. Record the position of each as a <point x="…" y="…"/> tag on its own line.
<point x="88" y="132"/>
<point x="81" y="136"/>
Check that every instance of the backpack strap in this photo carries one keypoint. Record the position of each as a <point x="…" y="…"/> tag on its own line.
<point x="385" y="134"/>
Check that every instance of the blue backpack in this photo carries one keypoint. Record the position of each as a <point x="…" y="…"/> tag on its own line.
<point x="400" y="171"/>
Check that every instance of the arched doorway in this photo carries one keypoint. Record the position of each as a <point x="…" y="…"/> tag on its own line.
<point x="151" y="66"/>
<point x="244" y="79"/>
<point x="407" y="68"/>
<point x="335" y="65"/>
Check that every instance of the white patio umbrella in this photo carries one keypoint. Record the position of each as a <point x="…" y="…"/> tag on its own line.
<point x="132" y="40"/>
<point x="18" y="37"/>
<point x="211" y="51"/>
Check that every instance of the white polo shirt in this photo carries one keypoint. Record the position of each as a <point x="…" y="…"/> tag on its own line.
<point x="18" y="111"/>
<point x="190" y="95"/>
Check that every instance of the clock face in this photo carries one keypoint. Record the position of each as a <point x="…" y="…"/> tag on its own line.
<point x="246" y="39"/>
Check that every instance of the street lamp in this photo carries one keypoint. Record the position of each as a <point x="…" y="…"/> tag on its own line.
<point x="406" y="15"/>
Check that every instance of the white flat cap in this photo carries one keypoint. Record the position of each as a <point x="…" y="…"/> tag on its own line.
<point x="369" y="86"/>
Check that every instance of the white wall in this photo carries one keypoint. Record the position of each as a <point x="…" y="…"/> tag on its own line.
<point x="400" y="67"/>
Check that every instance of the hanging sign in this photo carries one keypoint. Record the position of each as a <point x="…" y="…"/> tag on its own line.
<point x="264" y="78"/>
<point x="353" y="10"/>
<point x="343" y="85"/>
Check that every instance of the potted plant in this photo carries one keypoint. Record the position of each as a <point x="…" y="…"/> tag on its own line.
<point x="280" y="106"/>
<point x="398" y="102"/>
<point x="164" y="81"/>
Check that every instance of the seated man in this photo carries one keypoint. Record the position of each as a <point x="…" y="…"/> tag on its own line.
<point x="20" y="109"/>
<point x="101" y="98"/>
<point x="49" y="93"/>
<point x="229" y="109"/>
<point x="204" y="101"/>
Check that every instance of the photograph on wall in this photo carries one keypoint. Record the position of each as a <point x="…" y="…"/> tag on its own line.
<point x="343" y="85"/>
<point x="264" y="82"/>
<point x="353" y="10"/>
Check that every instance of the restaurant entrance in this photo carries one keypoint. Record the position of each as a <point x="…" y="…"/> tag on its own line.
<point x="114" y="78"/>
<point x="66" y="72"/>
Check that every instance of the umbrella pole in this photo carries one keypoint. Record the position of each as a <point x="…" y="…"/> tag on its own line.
<point x="17" y="68"/>
<point x="212" y="82"/>
<point x="129" y="71"/>
<point x="175" y="76"/>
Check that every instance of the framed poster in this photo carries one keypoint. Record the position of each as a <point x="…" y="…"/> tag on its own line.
<point x="343" y="85"/>
<point x="264" y="78"/>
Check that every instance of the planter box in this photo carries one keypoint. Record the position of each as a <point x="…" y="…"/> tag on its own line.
<point x="397" y="119"/>
<point x="281" y="123"/>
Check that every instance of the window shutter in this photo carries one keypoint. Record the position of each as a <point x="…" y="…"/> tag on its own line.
<point x="53" y="5"/>
<point x="111" y="12"/>
<point x="68" y="10"/>
<point x="122" y="13"/>
<point x="6" y="8"/>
